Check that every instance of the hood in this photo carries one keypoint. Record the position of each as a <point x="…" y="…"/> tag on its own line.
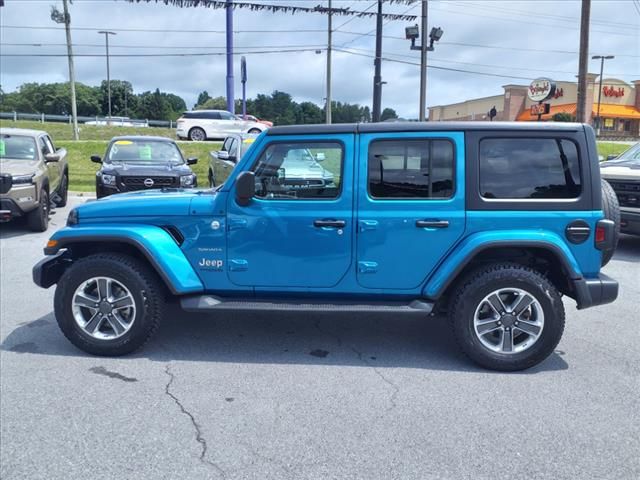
<point x="144" y="203"/>
<point x="155" y="169"/>
<point x="18" y="167"/>
<point x="306" y="172"/>
<point x="620" y="171"/>
<point x="633" y="164"/>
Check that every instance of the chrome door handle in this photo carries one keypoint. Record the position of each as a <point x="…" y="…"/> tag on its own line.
<point x="432" y="223"/>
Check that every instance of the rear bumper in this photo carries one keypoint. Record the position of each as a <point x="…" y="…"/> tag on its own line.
<point x="595" y="291"/>
<point x="629" y="221"/>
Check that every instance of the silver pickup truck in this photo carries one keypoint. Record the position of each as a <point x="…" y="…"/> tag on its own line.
<point x="33" y="173"/>
<point x="623" y="174"/>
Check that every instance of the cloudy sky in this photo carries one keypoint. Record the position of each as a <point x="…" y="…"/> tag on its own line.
<point x="489" y="42"/>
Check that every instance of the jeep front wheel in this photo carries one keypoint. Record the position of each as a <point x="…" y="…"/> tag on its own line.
<point x="507" y="317"/>
<point x="108" y="304"/>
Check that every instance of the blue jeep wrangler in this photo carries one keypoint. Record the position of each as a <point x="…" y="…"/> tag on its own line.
<point x="491" y="223"/>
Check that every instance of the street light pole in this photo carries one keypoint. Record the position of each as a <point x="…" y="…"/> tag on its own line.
<point x="328" y="104"/>
<point x="377" y="77"/>
<point x="602" y="58"/>
<point x="423" y="63"/>
<point x="106" y="39"/>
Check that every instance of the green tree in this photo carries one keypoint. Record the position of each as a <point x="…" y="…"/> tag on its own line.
<point x="202" y="98"/>
<point x="217" y="103"/>
<point x="309" y="112"/>
<point x="388" y="114"/>
<point x="563" y="117"/>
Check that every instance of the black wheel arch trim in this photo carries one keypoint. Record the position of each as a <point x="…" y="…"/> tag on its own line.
<point x="68" y="242"/>
<point x="554" y="249"/>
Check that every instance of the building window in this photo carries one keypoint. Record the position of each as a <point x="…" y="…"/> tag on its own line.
<point x="400" y="169"/>
<point x="529" y="168"/>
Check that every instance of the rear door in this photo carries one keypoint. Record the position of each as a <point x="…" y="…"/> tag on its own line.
<point x="411" y="208"/>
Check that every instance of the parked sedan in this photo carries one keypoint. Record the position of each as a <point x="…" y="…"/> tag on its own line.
<point x="200" y="125"/>
<point x="141" y="163"/>
<point x="253" y="118"/>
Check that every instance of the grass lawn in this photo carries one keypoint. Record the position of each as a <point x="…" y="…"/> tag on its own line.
<point x="82" y="171"/>
<point x="610" y="148"/>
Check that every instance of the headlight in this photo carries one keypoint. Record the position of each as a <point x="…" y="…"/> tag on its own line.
<point x="187" y="180"/>
<point x="72" y="219"/>
<point x="108" y="179"/>
<point x="22" y="179"/>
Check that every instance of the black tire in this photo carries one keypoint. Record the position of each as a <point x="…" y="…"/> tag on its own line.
<point x="197" y="134"/>
<point x="255" y="130"/>
<point x="611" y="210"/>
<point x="38" y="219"/>
<point x="145" y="287"/>
<point x="469" y="295"/>
<point x="63" y="191"/>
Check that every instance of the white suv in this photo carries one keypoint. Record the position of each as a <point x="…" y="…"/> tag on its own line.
<point x="199" y="125"/>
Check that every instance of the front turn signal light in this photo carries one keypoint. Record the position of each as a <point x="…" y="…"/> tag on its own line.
<point x="52" y="243"/>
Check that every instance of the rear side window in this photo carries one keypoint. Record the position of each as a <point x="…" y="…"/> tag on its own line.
<point x="411" y="169"/>
<point x="529" y="168"/>
<point x="226" y="116"/>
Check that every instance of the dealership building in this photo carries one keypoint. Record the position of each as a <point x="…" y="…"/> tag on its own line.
<point x="619" y="106"/>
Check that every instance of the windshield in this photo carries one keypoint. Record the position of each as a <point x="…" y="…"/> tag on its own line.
<point x="17" y="147"/>
<point x="144" y="151"/>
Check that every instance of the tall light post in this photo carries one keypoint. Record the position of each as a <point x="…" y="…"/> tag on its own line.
<point x="602" y="58"/>
<point x="106" y="39"/>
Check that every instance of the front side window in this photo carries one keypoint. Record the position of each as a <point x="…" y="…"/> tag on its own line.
<point x="529" y="168"/>
<point x="301" y="170"/>
<point x="404" y="169"/>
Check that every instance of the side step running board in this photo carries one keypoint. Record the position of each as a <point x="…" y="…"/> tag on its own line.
<point x="208" y="303"/>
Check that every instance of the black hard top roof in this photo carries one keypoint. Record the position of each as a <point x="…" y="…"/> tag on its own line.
<point x="422" y="127"/>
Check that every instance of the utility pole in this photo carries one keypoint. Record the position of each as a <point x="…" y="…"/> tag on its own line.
<point x="423" y="63"/>
<point x="377" y="78"/>
<point x="65" y="18"/>
<point x="230" y="96"/>
<point x="581" y="111"/>
<point x="329" y="33"/>
<point x="602" y="58"/>
<point x="106" y="38"/>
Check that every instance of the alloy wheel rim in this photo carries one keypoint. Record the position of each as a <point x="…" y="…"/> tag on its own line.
<point x="508" y="321"/>
<point x="197" y="135"/>
<point x="103" y="308"/>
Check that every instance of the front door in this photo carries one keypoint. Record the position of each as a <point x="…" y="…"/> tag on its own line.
<point x="410" y="206"/>
<point x="297" y="231"/>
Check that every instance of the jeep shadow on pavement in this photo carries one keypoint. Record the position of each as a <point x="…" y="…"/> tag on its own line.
<point x="490" y="222"/>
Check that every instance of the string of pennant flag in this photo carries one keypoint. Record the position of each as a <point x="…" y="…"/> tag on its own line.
<point x="292" y="9"/>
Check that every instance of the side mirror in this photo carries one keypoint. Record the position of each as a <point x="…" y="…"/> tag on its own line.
<point x="192" y="161"/>
<point x="320" y="156"/>
<point x="96" y="159"/>
<point x="52" y="157"/>
<point x="611" y="157"/>
<point x="223" y="155"/>
<point x="245" y="188"/>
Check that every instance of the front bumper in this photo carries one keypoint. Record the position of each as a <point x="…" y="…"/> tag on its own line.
<point x="595" y="291"/>
<point x="17" y="205"/>
<point x="629" y="221"/>
<point x="49" y="270"/>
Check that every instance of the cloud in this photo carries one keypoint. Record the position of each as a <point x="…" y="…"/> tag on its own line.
<point x="533" y="25"/>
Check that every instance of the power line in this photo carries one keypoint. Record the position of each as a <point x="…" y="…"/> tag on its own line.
<point x="373" y="31"/>
<point x="353" y="18"/>
<point x="161" y="30"/>
<point x="176" y="47"/>
<point x="133" y="55"/>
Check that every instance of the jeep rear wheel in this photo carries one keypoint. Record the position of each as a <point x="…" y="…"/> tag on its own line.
<point x="507" y="317"/>
<point x="38" y="219"/>
<point x="611" y="210"/>
<point x="108" y="304"/>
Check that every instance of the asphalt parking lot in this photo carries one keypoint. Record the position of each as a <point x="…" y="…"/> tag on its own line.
<point x="312" y="396"/>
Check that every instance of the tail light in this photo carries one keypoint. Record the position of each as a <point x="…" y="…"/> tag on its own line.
<point x="604" y="234"/>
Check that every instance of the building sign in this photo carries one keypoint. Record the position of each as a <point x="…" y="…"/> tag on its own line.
<point x="612" y="91"/>
<point x="540" y="108"/>
<point x="541" y="89"/>
<point x="559" y="93"/>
